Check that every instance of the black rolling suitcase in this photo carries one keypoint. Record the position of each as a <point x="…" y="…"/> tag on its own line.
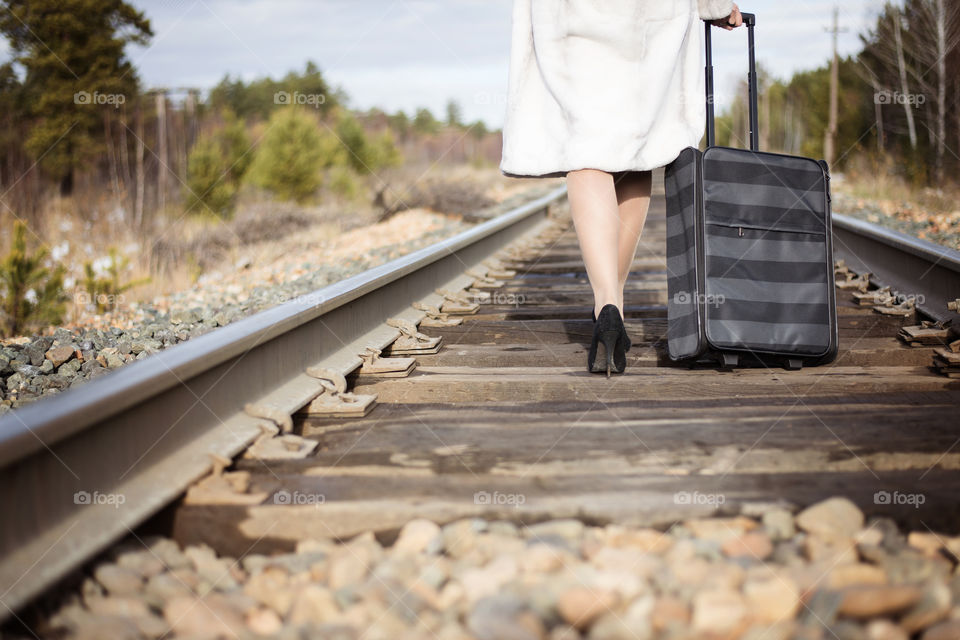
<point x="749" y="252"/>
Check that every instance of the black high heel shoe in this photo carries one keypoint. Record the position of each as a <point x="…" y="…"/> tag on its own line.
<point x="610" y="332"/>
<point x="593" y="314"/>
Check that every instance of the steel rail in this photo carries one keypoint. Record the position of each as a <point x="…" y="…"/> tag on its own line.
<point x="81" y="469"/>
<point x="928" y="273"/>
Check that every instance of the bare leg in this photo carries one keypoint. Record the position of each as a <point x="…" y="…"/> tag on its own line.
<point x="633" y="197"/>
<point x="596" y="218"/>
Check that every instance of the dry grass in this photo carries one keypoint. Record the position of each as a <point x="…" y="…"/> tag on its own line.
<point x="174" y="250"/>
<point x="876" y="180"/>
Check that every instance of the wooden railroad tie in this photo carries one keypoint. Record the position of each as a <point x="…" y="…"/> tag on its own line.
<point x="926" y="333"/>
<point x="946" y="360"/>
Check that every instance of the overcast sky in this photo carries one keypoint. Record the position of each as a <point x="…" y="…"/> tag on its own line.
<point x="402" y="54"/>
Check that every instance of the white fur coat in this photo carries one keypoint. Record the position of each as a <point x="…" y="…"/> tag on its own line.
<point x="604" y="84"/>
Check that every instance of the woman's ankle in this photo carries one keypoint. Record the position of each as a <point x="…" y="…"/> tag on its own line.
<point x="598" y="307"/>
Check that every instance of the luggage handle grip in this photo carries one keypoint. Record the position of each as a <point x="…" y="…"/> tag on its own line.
<point x="750" y="20"/>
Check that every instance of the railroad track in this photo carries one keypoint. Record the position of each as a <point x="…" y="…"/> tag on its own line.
<point x="335" y="399"/>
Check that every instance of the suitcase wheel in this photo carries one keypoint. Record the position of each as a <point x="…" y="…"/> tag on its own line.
<point x="794" y="363"/>
<point x="730" y="360"/>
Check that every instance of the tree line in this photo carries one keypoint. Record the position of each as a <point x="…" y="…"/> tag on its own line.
<point x="898" y="97"/>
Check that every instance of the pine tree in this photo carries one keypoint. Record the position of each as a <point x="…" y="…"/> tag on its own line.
<point x="209" y="188"/>
<point x="72" y="56"/>
<point x="32" y="294"/>
<point x="215" y="167"/>
<point x="289" y="160"/>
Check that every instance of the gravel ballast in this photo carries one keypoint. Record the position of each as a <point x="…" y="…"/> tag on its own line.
<point x="32" y="367"/>
<point x="777" y="574"/>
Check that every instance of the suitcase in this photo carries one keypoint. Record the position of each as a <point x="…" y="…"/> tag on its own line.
<point x="749" y="250"/>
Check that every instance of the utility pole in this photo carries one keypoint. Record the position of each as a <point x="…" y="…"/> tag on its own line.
<point x="830" y="139"/>
<point x="164" y="160"/>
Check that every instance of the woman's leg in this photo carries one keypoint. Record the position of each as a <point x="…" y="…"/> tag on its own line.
<point x="633" y="198"/>
<point x="596" y="218"/>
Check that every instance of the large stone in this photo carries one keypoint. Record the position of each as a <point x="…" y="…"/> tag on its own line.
<point x="648" y="540"/>
<point x="867" y="601"/>
<point x="720" y="529"/>
<point x="632" y="624"/>
<point x="218" y="573"/>
<point x="118" y="580"/>
<point x="142" y="561"/>
<point x="753" y="545"/>
<point x="271" y="587"/>
<point x="949" y="630"/>
<point x="460" y="537"/>
<point x="542" y="558"/>
<point x="313" y="605"/>
<point x="166" y="586"/>
<point x="835" y="518"/>
<point x="932" y="608"/>
<point x="718" y="611"/>
<point x="883" y="629"/>
<point x="669" y="613"/>
<point x="120" y="606"/>
<point x="416" y="536"/>
<point x="482" y="582"/>
<point x="264" y="622"/>
<point x="347" y="569"/>
<point x="580" y="606"/>
<point x="779" y="524"/>
<point x="568" y="529"/>
<point x="169" y="552"/>
<point x="848" y="575"/>
<point x="504" y="617"/>
<point x="773" y="599"/>
<point x="782" y="630"/>
<point x="830" y="551"/>
<point x="203" y="617"/>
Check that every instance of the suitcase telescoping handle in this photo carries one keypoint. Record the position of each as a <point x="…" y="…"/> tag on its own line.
<point x="750" y="20"/>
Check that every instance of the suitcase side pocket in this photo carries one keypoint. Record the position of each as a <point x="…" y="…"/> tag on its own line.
<point x="767" y="289"/>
